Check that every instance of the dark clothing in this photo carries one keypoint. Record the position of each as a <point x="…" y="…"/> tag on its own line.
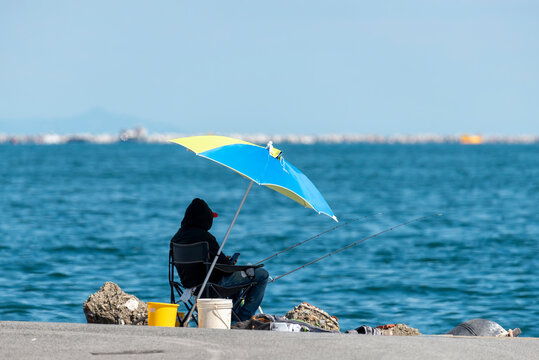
<point x="197" y="221"/>
<point x="253" y="297"/>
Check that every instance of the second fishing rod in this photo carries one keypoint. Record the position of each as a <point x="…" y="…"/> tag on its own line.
<point x="347" y="246"/>
<point x="317" y="236"/>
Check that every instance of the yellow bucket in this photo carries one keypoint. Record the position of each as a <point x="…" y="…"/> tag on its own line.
<point x="162" y="314"/>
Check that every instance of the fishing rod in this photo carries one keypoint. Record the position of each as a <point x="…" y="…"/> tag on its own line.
<point x="317" y="235"/>
<point x="354" y="244"/>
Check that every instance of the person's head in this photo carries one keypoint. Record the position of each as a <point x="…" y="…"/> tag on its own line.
<point x="198" y="214"/>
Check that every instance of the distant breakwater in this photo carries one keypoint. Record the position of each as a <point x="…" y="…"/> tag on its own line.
<point x="142" y="135"/>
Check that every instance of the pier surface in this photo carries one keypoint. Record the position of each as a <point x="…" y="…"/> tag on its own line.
<point x="31" y="340"/>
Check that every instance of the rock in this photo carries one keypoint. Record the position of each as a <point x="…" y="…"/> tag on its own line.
<point x="482" y="327"/>
<point x="399" y="330"/>
<point x="314" y="316"/>
<point x="110" y="305"/>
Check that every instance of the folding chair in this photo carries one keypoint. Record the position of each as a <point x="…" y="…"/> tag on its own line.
<point x="181" y="254"/>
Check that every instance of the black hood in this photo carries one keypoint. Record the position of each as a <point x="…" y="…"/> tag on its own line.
<point x="198" y="214"/>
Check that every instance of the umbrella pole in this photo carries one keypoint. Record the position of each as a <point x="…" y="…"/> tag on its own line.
<point x="218" y="253"/>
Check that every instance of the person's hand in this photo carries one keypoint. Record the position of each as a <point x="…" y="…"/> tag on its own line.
<point x="234" y="258"/>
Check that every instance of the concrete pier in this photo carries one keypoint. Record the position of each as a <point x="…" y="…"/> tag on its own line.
<point x="31" y="340"/>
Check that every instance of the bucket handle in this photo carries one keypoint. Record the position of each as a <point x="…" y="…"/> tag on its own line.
<point x="216" y="313"/>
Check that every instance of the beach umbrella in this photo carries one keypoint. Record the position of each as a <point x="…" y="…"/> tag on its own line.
<point x="262" y="165"/>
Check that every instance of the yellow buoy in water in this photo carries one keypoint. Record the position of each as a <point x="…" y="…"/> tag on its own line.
<point x="471" y="139"/>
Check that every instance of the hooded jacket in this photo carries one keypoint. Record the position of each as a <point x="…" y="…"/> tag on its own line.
<point x="195" y="228"/>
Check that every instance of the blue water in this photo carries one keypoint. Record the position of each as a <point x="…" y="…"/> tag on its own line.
<point x="74" y="216"/>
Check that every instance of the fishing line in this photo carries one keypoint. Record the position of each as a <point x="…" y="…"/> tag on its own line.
<point x="317" y="235"/>
<point x="354" y="244"/>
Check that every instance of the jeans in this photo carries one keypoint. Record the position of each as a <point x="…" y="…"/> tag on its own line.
<point x="253" y="297"/>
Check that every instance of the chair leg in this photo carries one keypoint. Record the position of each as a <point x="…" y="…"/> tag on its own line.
<point x="188" y="305"/>
<point x="241" y="298"/>
<point x="172" y="298"/>
<point x="236" y="316"/>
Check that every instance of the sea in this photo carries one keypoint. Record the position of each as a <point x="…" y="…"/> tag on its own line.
<point x="77" y="215"/>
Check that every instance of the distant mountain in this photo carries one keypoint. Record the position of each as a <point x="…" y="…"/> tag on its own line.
<point x="95" y="121"/>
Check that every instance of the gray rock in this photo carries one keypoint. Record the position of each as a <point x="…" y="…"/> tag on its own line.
<point x="110" y="305"/>
<point x="482" y="327"/>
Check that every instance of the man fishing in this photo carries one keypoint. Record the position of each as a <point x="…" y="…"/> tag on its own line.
<point x="195" y="228"/>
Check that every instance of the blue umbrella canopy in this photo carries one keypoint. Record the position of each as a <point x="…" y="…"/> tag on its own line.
<point x="264" y="166"/>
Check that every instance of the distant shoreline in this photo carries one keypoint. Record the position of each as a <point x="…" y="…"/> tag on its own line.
<point x="141" y="135"/>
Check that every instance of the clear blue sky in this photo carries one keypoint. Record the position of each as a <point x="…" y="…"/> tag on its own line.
<point x="312" y="67"/>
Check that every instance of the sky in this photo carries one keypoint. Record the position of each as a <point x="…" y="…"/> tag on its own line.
<point x="274" y="67"/>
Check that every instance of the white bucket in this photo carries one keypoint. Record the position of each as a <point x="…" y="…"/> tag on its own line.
<point x="214" y="313"/>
